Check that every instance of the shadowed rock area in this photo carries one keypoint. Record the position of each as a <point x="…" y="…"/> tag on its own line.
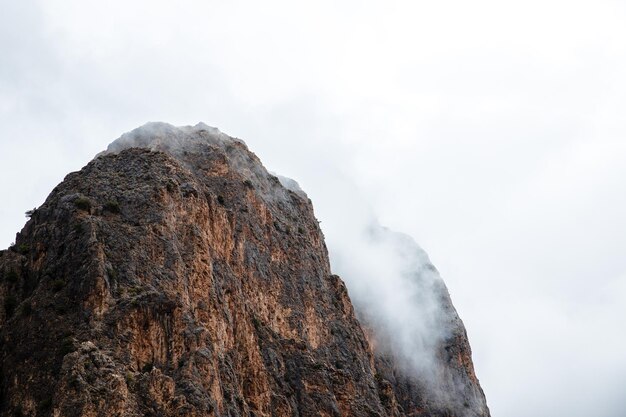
<point x="174" y="276"/>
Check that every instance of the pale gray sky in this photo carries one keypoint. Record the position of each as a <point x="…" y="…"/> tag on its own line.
<point x="493" y="132"/>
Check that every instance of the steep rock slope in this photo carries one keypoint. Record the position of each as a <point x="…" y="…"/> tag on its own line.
<point x="173" y="275"/>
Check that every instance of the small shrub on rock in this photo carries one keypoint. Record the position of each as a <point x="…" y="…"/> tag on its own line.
<point x="112" y="207"/>
<point x="67" y="346"/>
<point x="83" y="203"/>
<point x="57" y="285"/>
<point x="23" y="248"/>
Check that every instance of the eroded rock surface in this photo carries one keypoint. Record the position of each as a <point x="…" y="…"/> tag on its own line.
<point x="174" y="276"/>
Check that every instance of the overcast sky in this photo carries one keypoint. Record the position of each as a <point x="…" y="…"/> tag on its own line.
<point x="493" y="132"/>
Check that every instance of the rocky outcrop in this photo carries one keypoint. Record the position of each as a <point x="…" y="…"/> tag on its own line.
<point x="173" y="275"/>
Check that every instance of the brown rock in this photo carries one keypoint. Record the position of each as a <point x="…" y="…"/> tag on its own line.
<point x="174" y="276"/>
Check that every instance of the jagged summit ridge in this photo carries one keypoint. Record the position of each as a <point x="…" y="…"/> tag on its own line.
<point x="188" y="144"/>
<point x="173" y="275"/>
<point x="173" y="139"/>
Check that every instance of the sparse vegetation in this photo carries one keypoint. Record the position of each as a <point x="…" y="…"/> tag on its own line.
<point x="23" y="248"/>
<point x="112" y="207"/>
<point x="134" y="290"/>
<point x="83" y="203"/>
<point x="67" y="346"/>
<point x="130" y="378"/>
<point x="57" y="285"/>
<point x="112" y="273"/>
<point x="171" y="185"/>
<point x="45" y="405"/>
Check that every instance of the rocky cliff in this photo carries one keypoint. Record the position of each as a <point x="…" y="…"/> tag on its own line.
<point x="174" y="276"/>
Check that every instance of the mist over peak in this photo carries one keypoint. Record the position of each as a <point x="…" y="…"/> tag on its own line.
<point x="166" y="137"/>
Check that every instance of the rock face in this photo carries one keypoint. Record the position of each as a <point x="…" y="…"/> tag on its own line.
<point x="174" y="276"/>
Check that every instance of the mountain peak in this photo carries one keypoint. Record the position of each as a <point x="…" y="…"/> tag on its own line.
<point x="166" y="137"/>
<point x="174" y="275"/>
